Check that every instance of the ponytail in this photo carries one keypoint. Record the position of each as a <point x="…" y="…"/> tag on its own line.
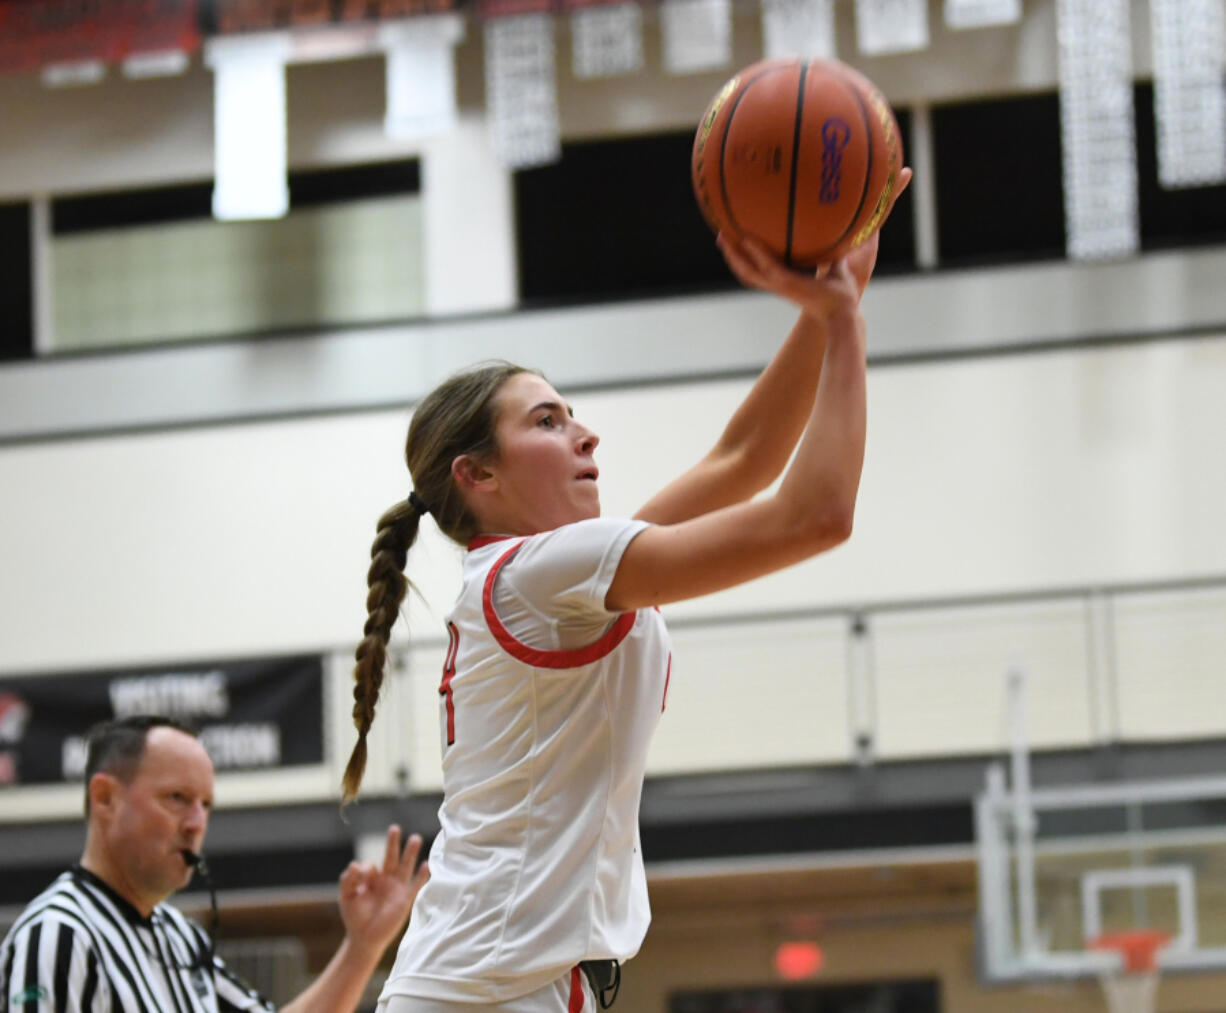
<point x="397" y="530"/>
<point x="458" y="417"/>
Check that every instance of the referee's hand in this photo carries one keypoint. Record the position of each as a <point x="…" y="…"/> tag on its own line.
<point x="375" y="902"/>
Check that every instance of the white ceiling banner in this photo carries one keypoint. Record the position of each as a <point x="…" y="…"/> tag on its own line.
<point x="72" y="73"/>
<point x="606" y="39"/>
<point x="1189" y="44"/>
<point x="798" y="28"/>
<point x="521" y="90"/>
<point x="162" y="63"/>
<point x="961" y="14"/>
<point x="1096" y="125"/>
<point x="697" y="35"/>
<point x="420" y="81"/>
<point x="891" y="26"/>
<point x="249" y="133"/>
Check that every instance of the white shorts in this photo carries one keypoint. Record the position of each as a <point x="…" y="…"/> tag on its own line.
<point x="569" y="994"/>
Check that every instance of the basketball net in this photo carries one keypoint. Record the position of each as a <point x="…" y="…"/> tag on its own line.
<point x="1130" y="993"/>
<point x="1133" y="987"/>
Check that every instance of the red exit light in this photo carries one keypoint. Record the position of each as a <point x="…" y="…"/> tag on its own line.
<point x="794" y="961"/>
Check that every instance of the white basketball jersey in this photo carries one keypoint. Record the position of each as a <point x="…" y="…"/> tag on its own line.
<point x="548" y="703"/>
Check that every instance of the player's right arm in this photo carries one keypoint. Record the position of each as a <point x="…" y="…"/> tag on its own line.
<point x="813" y="507"/>
<point x="49" y="964"/>
<point x="758" y="440"/>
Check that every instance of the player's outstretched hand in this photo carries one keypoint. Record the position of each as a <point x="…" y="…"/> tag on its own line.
<point x="375" y="901"/>
<point x="831" y="291"/>
<point x="756" y="267"/>
<point x="863" y="258"/>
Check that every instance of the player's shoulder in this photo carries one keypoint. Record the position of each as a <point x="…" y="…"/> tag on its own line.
<point x="593" y="534"/>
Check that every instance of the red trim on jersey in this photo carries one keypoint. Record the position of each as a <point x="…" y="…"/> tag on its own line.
<point x="541" y="658"/>
<point x="453" y="648"/>
<point x="668" y="675"/>
<point x="481" y="541"/>
<point x="576" y="991"/>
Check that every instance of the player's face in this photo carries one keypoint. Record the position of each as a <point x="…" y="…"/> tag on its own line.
<point x="160" y="812"/>
<point x="545" y="468"/>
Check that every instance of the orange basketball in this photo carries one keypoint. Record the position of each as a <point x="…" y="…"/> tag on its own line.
<point x="803" y="155"/>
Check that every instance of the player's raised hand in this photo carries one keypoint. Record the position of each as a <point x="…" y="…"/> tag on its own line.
<point x="830" y="291"/>
<point x="863" y="258"/>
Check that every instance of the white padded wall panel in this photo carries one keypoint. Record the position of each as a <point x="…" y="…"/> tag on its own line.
<point x="421" y="727"/>
<point x="755" y="694"/>
<point x="1171" y="652"/>
<point x="940" y="678"/>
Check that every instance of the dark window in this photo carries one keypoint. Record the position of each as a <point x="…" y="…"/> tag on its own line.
<point x="897" y="250"/>
<point x="618" y="219"/>
<point x="16" y="284"/>
<point x="1182" y="217"/>
<point x="613" y="219"/>
<point x="999" y="182"/>
<point x="195" y="200"/>
<point x="880" y="997"/>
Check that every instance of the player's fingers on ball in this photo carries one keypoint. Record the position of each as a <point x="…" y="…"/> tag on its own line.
<point x="840" y="270"/>
<point x="732" y="248"/>
<point x="742" y="267"/>
<point x="904" y="180"/>
<point x="763" y="259"/>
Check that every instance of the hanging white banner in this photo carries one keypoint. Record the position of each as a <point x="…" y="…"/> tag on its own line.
<point x="1189" y="44"/>
<point x="421" y="89"/>
<point x="521" y="97"/>
<point x="697" y="35"/>
<point x="1096" y="127"/>
<point x="982" y="13"/>
<point x="891" y="26"/>
<point x="798" y="28"/>
<point x="249" y="134"/>
<point x="606" y="39"/>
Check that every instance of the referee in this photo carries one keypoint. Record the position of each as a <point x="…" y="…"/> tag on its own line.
<point x="101" y="939"/>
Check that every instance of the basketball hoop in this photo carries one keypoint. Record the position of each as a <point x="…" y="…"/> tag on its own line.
<point x="1132" y="988"/>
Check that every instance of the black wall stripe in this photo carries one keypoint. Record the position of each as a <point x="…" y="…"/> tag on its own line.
<point x="16" y="284"/>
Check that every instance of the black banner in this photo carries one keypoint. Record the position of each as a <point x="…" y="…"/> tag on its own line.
<point x="250" y="714"/>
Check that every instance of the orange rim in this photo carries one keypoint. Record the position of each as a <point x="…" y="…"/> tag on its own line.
<point x="1139" y="948"/>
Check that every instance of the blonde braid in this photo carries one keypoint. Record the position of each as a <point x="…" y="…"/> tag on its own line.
<point x="397" y="530"/>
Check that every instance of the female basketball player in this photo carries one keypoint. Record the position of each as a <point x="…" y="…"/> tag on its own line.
<point x="558" y="662"/>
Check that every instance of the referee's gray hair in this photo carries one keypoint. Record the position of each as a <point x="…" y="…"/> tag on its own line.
<point x="116" y="747"/>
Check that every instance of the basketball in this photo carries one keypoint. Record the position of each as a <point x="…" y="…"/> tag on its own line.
<point x="802" y="155"/>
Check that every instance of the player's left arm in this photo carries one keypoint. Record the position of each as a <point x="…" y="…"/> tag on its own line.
<point x="758" y="440"/>
<point x="375" y="904"/>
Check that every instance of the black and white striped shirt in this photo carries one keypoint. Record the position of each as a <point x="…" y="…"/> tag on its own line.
<point x="79" y="947"/>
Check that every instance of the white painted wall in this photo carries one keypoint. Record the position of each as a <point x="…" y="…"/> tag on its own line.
<point x="994" y="474"/>
<point x="997" y="474"/>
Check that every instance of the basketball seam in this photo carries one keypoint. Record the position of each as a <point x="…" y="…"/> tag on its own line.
<point x="796" y="132"/>
<point x="723" y="147"/>
<point x="868" y="169"/>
